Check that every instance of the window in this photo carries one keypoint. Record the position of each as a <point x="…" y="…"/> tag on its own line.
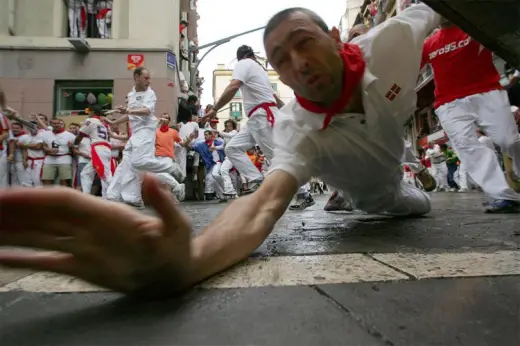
<point x="73" y="97"/>
<point x="238" y="95"/>
<point x="235" y="111"/>
<point x="95" y="22"/>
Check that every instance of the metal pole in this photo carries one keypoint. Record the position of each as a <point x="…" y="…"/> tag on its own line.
<point x="213" y="45"/>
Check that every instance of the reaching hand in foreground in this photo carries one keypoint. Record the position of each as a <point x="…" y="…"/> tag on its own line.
<point x="105" y="243"/>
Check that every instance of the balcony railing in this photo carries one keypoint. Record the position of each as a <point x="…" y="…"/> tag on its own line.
<point x="89" y="18"/>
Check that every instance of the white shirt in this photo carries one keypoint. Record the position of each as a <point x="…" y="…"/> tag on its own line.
<point x="61" y="142"/>
<point x="85" y="147"/>
<point x="187" y="129"/>
<point x="487" y="142"/>
<point x="361" y="153"/>
<point x="435" y="155"/>
<point x="256" y="87"/>
<point x="115" y="143"/>
<point x="516" y="74"/>
<point x="139" y="100"/>
<point x="226" y="136"/>
<point x="29" y="139"/>
<point x="95" y="130"/>
<point x="18" y="157"/>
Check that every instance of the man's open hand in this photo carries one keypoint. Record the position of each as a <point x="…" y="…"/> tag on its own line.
<point x="105" y="243"/>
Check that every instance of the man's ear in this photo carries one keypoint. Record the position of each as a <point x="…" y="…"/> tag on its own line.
<point x="336" y="36"/>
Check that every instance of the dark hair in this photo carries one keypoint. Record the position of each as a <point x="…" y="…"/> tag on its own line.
<point x="192" y="98"/>
<point x="43" y="115"/>
<point x="282" y="16"/>
<point x="244" y="52"/>
<point x="17" y="123"/>
<point x="233" y="123"/>
<point x="97" y="109"/>
<point x="75" y="124"/>
<point x="208" y="131"/>
<point x="139" y="71"/>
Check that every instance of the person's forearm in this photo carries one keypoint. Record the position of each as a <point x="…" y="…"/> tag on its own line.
<point x="226" y="97"/>
<point x="120" y="120"/>
<point x="120" y="137"/>
<point x="144" y="111"/>
<point x="241" y="227"/>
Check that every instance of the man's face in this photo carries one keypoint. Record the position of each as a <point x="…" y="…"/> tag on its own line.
<point x="306" y="58"/>
<point x="16" y="129"/>
<point x="56" y="125"/>
<point x="143" y="80"/>
<point x="73" y="129"/>
<point x="166" y="118"/>
<point x="229" y="127"/>
<point x="43" y="118"/>
<point x="208" y="136"/>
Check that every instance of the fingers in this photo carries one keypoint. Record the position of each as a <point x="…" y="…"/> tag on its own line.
<point x="41" y="240"/>
<point x="164" y="204"/>
<point x="52" y="262"/>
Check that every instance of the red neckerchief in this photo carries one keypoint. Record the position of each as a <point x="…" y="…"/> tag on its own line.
<point x="354" y="69"/>
<point x="59" y="131"/>
<point x="209" y="142"/>
<point x="20" y="134"/>
<point x="164" y="128"/>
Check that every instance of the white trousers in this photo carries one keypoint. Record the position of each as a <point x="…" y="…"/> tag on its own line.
<point x="258" y="131"/>
<point x="20" y="176"/>
<point x="492" y="113"/>
<point x="167" y="178"/>
<point x="103" y="28"/>
<point x="142" y="153"/>
<point x="461" y="176"/>
<point x="214" y="182"/>
<point x="76" y="30"/>
<point x="440" y="173"/>
<point x="114" y="191"/>
<point x="88" y="173"/>
<point x="35" y="172"/>
<point x="181" y="155"/>
<point x="410" y="159"/>
<point x="229" y="189"/>
<point x="4" y="171"/>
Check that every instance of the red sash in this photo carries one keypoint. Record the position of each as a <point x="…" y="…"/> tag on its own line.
<point x="267" y="107"/>
<point x="97" y="162"/>
<point x="113" y="165"/>
<point x="33" y="159"/>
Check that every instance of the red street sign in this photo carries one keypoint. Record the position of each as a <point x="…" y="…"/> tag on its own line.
<point x="134" y="61"/>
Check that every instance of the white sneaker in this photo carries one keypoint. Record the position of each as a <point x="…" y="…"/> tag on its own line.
<point x="182" y="193"/>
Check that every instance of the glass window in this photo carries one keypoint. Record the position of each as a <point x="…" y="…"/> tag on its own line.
<point x="73" y="97"/>
<point x="235" y="110"/>
<point x="238" y="95"/>
<point x="274" y="86"/>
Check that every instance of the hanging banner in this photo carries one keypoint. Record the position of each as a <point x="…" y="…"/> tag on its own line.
<point x="134" y="61"/>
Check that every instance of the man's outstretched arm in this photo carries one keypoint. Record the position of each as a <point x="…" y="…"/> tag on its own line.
<point x="242" y="227"/>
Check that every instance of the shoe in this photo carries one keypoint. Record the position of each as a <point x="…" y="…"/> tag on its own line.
<point x="303" y="203"/>
<point x="463" y="189"/>
<point x="253" y="186"/>
<point x="337" y="203"/>
<point x="427" y="180"/>
<point x="502" y="206"/>
<point x="181" y="194"/>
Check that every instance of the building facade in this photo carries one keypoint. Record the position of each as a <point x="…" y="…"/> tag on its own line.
<point x="349" y="18"/>
<point x="60" y="56"/>
<point x="235" y="108"/>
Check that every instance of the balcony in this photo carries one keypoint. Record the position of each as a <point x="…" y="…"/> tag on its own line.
<point x="89" y="19"/>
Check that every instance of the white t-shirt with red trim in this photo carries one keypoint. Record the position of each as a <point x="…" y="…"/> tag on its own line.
<point x="60" y="141"/>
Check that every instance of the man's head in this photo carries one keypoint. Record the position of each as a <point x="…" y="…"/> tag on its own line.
<point x="357" y="30"/>
<point x="56" y="124"/>
<point x="192" y="99"/>
<point x="305" y="53"/>
<point x="245" y="52"/>
<point x="208" y="135"/>
<point x="74" y="128"/>
<point x="443" y="146"/>
<point x="166" y="117"/>
<point x="230" y="125"/>
<point x="34" y="128"/>
<point x="142" y="78"/>
<point x="16" y="128"/>
<point x="43" y="118"/>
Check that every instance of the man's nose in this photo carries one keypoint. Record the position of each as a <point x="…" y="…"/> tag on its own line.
<point x="300" y="62"/>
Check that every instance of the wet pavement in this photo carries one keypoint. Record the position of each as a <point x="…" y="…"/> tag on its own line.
<point x="452" y="278"/>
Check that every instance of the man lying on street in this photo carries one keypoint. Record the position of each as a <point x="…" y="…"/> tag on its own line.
<point x="345" y="126"/>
